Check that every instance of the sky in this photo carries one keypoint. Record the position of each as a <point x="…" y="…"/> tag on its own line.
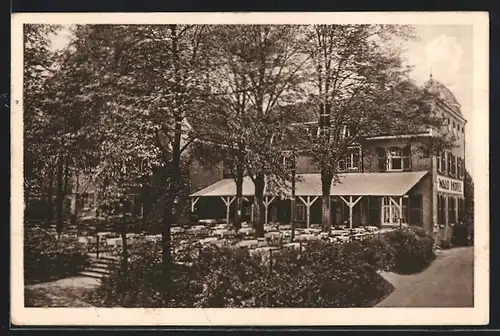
<point x="443" y="50"/>
<point x="446" y="51"/>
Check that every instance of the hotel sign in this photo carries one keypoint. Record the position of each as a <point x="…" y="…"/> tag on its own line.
<point x="451" y="186"/>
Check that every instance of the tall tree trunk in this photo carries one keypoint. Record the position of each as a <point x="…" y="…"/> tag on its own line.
<point x="124" y="241"/>
<point x="259" y="210"/>
<point x="60" y="195"/>
<point x="74" y="218"/>
<point x="292" y="203"/>
<point x="239" y="197"/>
<point x="173" y="173"/>
<point x="49" y="216"/>
<point x="326" y="182"/>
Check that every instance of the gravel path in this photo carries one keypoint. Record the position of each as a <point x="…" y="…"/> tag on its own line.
<point x="447" y="282"/>
<point x="60" y="293"/>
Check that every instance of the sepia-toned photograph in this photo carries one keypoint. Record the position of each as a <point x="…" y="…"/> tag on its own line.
<point x="297" y="163"/>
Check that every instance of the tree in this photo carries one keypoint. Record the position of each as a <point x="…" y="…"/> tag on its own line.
<point x="468" y="200"/>
<point x="38" y="68"/>
<point x="165" y="66"/>
<point x="358" y="88"/>
<point x="258" y="73"/>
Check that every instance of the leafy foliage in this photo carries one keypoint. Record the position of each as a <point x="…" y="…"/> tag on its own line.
<point x="47" y="257"/>
<point x="414" y="249"/>
<point x="322" y="275"/>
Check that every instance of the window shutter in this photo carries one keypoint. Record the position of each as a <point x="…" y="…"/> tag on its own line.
<point x="381" y="158"/>
<point x="407" y="158"/>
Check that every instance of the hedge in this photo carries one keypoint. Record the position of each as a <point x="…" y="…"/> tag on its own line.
<point x="413" y="248"/>
<point x="321" y="275"/>
<point x="47" y="258"/>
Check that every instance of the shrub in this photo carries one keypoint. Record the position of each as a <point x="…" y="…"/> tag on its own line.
<point x="46" y="257"/>
<point x="322" y="275"/>
<point x="142" y="284"/>
<point x="413" y="249"/>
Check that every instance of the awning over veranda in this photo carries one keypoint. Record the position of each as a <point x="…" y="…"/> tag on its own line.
<point x="350" y="184"/>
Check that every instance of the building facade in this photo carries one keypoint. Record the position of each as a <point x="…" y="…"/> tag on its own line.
<point x="387" y="181"/>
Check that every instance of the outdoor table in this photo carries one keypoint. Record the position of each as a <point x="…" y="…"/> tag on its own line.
<point x="178" y="229"/>
<point x="268" y="228"/>
<point x="339" y="232"/>
<point x="104" y="234"/>
<point x="224" y="232"/>
<point x="312" y="231"/>
<point x="247" y="230"/>
<point x="208" y="240"/>
<point x="247" y="243"/>
<point x="343" y="238"/>
<point x="220" y="227"/>
<point x="285" y="227"/>
<point x="306" y="237"/>
<point x="83" y="240"/>
<point x="207" y="221"/>
<point x="261" y="241"/>
<point x="273" y="235"/>
<point x="115" y="242"/>
<point x="295" y="245"/>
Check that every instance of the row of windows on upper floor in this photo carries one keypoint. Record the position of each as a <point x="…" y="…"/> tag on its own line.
<point x="398" y="159"/>
<point x="451" y="165"/>
<point x="388" y="159"/>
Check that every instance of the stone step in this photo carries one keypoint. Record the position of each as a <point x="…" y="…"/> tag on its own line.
<point x="101" y="263"/>
<point x="95" y="269"/>
<point x="92" y="274"/>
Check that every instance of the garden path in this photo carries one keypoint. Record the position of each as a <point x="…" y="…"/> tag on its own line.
<point x="447" y="282"/>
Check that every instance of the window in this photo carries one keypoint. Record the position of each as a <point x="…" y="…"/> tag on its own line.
<point x="381" y="158"/>
<point x="452" y="210"/>
<point x="395" y="158"/>
<point x="449" y="163"/>
<point x="86" y="201"/>
<point x="453" y="169"/>
<point x="416" y="215"/>
<point x="312" y="132"/>
<point x="346" y="131"/>
<point x="300" y="211"/>
<point x="459" y="167"/>
<point x="352" y="158"/>
<point x="441" y="210"/>
<point x="399" y="159"/>
<point x="443" y="162"/>
<point x="438" y="161"/>
<point x="390" y="211"/>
